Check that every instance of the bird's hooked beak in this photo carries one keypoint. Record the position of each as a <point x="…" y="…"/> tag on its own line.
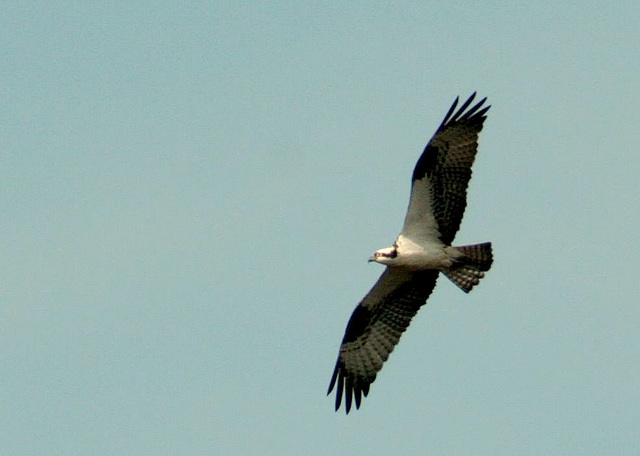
<point x="372" y="258"/>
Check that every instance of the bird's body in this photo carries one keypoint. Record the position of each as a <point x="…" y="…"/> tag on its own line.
<point x="417" y="255"/>
<point x="421" y="251"/>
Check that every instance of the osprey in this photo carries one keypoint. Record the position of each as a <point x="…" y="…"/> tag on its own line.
<point x="421" y="251"/>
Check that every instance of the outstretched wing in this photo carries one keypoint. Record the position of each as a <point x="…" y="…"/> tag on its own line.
<point x="375" y="328"/>
<point x="441" y="176"/>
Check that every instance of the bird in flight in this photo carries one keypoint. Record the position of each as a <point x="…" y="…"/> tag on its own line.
<point x="421" y="251"/>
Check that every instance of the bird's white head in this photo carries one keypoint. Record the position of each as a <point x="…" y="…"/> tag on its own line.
<point x="385" y="256"/>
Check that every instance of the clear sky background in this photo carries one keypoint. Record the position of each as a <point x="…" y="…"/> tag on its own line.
<point x="190" y="192"/>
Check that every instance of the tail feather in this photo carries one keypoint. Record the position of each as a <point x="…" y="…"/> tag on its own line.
<point x="470" y="266"/>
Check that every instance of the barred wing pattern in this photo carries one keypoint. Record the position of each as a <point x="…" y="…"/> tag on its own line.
<point x="375" y="328"/>
<point x="441" y="176"/>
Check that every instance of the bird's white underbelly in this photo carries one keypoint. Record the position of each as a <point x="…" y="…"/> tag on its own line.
<point x="432" y="255"/>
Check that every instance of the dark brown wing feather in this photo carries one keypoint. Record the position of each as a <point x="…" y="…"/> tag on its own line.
<point x="446" y="164"/>
<point x="375" y="328"/>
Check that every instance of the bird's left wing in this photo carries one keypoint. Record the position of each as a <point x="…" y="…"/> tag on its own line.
<point x="441" y="176"/>
<point x="375" y="328"/>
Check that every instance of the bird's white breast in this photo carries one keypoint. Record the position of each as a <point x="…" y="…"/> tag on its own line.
<point x="429" y="255"/>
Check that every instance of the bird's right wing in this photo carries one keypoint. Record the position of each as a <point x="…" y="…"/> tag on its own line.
<point x="375" y="328"/>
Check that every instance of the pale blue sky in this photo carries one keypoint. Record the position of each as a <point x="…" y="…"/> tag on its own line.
<point x="190" y="193"/>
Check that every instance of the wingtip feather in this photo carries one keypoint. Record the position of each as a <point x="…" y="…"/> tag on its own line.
<point x="339" y="391"/>
<point x="460" y="114"/>
<point x="349" y="395"/>
<point x="334" y="377"/>
<point x="358" y="396"/>
<point x="451" y="109"/>
<point x="464" y="106"/>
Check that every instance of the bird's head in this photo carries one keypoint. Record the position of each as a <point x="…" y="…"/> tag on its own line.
<point x="385" y="256"/>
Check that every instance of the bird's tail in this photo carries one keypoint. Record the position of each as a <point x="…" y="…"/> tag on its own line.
<point x="470" y="266"/>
